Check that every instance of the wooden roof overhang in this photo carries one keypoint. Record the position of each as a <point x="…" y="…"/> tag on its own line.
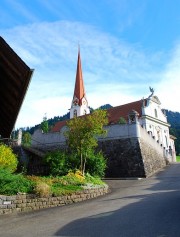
<point x="15" y="77"/>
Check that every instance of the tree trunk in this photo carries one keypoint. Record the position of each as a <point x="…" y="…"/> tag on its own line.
<point x="84" y="166"/>
<point x="81" y="168"/>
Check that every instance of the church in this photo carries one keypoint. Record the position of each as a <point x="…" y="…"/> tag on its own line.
<point x="138" y="147"/>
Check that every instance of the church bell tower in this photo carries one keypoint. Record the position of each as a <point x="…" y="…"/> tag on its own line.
<point x="79" y="105"/>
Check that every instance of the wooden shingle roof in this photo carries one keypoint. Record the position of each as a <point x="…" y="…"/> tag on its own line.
<point x="15" y="77"/>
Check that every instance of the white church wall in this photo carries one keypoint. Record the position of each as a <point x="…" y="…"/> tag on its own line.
<point x="155" y="121"/>
<point x="119" y="131"/>
<point x="159" y="131"/>
<point x="153" y="109"/>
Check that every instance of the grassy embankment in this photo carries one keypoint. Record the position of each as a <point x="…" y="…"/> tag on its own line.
<point x="178" y="158"/>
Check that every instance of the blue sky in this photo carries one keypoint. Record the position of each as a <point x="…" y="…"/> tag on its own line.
<point x="126" y="46"/>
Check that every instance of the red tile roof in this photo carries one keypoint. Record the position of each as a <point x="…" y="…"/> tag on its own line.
<point x="57" y="127"/>
<point x="114" y="114"/>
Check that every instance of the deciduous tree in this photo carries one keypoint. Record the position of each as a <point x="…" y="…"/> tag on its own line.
<point x="82" y="134"/>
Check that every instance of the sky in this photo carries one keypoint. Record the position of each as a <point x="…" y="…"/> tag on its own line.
<point x="126" y="47"/>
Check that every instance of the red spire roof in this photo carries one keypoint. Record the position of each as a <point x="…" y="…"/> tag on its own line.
<point x="79" y="91"/>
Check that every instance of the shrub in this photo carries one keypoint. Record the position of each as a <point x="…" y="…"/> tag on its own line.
<point x="26" y="139"/>
<point x="96" y="164"/>
<point x="8" y="159"/>
<point x="77" y="176"/>
<point x="11" y="184"/>
<point x="73" y="161"/>
<point x="57" y="161"/>
<point x="42" y="189"/>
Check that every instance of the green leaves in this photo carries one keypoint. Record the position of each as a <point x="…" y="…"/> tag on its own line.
<point x="83" y="133"/>
<point x="45" y="125"/>
<point x="26" y="139"/>
<point x="11" y="184"/>
<point x="8" y="159"/>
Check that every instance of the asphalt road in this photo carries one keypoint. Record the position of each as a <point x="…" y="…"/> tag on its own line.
<point x="135" y="208"/>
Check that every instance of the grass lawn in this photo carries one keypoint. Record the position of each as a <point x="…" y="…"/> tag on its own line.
<point x="178" y="158"/>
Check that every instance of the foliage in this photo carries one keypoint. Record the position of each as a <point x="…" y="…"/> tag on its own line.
<point x="59" y="189"/>
<point x="83" y="132"/>
<point x="174" y="119"/>
<point x="93" y="180"/>
<point x="122" y="120"/>
<point x="42" y="189"/>
<point x="45" y="125"/>
<point x="11" y="184"/>
<point x="57" y="162"/>
<point x="178" y="158"/>
<point x="26" y="139"/>
<point x="77" y="175"/>
<point x="8" y="159"/>
<point x="96" y="164"/>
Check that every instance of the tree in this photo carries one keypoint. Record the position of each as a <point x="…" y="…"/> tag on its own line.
<point x="83" y="132"/>
<point x="26" y="139"/>
<point x="8" y="160"/>
<point x="45" y="125"/>
<point x="122" y="120"/>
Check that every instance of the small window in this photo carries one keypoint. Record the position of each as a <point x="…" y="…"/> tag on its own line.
<point x="75" y="113"/>
<point x="155" y="111"/>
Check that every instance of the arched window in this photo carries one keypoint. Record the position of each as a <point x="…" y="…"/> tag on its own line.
<point x="85" y="112"/>
<point x="75" y="113"/>
<point x="155" y="111"/>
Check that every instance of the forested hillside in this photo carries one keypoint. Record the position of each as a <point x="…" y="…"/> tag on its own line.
<point x="174" y="119"/>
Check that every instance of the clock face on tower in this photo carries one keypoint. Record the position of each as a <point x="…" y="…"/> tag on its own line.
<point x="75" y="102"/>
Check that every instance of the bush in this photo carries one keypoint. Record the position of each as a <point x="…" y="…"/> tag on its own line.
<point x="11" y="184"/>
<point x="96" y="164"/>
<point x="8" y="159"/>
<point x="57" y="162"/>
<point x="42" y="189"/>
<point x="60" y="163"/>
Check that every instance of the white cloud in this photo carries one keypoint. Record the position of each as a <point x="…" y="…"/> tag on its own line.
<point x="114" y="71"/>
<point x="169" y="88"/>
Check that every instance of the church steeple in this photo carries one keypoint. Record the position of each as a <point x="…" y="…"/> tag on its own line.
<point x="79" y="91"/>
<point x="79" y="104"/>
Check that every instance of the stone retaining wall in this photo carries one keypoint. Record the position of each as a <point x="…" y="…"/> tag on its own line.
<point x="131" y="157"/>
<point x="152" y="159"/>
<point x="31" y="202"/>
